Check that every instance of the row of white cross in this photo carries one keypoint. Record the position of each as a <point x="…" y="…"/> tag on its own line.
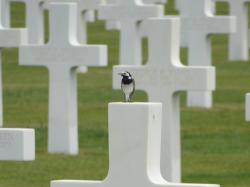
<point x="162" y="77"/>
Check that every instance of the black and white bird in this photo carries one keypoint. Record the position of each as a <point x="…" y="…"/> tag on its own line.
<point x="127" y="85"/>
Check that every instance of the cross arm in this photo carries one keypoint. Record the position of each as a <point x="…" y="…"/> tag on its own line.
<point x="12" y="37"/>
<point x="186" y="78"/>
<point x="221" y="24"/>
<point x="88" y="55"/>
<point x="195" y="78"/>
<point x="113" y="12"/>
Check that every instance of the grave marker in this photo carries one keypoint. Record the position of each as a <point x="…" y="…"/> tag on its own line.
<point x="238" y="41"/>
<point x="62" y="55"/>
<point x="134" y="149"/>
<point x="198" y="23"/>
<point x="85" y="13"/>
<point x="162" y="78"/>
<point x="129" y="14"/>
<point x="17" y="144"/>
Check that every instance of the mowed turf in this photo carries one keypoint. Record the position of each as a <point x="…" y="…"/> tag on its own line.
<point x="215" y="143"/>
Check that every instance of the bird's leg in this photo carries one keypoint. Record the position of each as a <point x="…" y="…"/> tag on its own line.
<point x="125" y="98"/>
<point x="129" y="99"/>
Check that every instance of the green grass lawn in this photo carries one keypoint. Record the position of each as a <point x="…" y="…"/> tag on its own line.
<point x="215" y="143"/>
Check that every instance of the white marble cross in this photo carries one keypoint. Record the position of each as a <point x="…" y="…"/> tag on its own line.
<point x="134" y="149"/>
<point x="198" y="23"/>
<point x="61" y="56"/>
<point x="34" y="19"/>
<point x="162" y="78"/>
<point x="85" y="13"/>
<point x="238" y="41"/>
<point x="9" y="38"/>
<point x="17" y="144"/>
<point x="129" y="14"/>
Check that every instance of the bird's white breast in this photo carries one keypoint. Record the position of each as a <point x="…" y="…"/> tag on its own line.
<point x="127" y="88"/>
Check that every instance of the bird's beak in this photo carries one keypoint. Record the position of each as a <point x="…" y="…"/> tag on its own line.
<point x="121" y="74"/>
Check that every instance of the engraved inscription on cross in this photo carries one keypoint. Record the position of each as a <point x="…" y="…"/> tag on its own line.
<point x="238" y="41"/>
<point x="34" y="19"/>
<point x="162" y="78"/>
<point x="62" y="55"/>
<point x="198" y="23"/>
<point x="134" y="149"/>
<point x="129" y="14"/>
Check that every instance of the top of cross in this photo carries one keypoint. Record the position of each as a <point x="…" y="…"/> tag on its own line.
<point x="62" y="31"/>
<point x="195" y="7"/>
<point x="162" y="51"/>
